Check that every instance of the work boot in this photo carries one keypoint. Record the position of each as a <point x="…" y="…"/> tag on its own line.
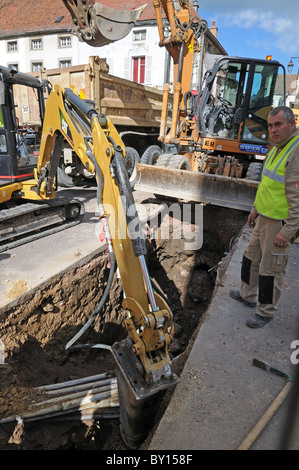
<point x="235" y="294"/>
<point x="257" y="321"/>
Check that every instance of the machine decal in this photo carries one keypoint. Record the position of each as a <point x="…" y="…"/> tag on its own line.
<point x="65" y="128"/>
<point x="263" y="149"/>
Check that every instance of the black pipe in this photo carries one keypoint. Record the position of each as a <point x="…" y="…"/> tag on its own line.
<point x="81" y="105"/>
<point x="100" y="305"/>
<point x="180" y="62"/>
<point x="126" y="194"/>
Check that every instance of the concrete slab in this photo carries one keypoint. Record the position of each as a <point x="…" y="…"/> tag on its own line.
<point x="221" y="395"/>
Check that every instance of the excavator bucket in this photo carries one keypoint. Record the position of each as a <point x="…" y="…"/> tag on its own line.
<point x="98" y="25"/>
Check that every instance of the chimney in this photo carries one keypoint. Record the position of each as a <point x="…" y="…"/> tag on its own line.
<point x="214" y="30"/>
<point x="195" y="5"/>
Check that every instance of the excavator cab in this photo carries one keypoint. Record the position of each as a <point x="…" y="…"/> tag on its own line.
<point x="238" y="95"/>
<point x="18" y="143"/>
<point x="25" y="215"/>
<point x="221" y="127"/>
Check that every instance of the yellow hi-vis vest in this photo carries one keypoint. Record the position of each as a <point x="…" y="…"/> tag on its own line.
<point x="270" y="199"/>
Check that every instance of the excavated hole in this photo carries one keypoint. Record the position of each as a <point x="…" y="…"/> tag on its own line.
<point x="36" y="331"/>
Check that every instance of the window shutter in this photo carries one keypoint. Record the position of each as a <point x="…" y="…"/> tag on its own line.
<point x="127" y="68"/>
<point x="110" y="63"/>
<point x="148" y="70"/>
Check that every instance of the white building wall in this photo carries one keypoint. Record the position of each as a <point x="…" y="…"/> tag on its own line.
<point x="118" y="55"/>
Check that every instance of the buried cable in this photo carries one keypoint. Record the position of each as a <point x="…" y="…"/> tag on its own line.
<point x="100" y="305"/>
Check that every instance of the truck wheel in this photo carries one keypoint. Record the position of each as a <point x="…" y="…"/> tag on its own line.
<point x="151" y="155"/>
<point x="163" y="159"/>
<point x="254" y="171"/>
<point x="179" y="162"/>
<point x="131" y="159"/>
<point x="66" y="181"/>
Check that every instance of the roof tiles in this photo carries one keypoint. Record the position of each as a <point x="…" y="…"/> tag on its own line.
<point x="29" y="16"/>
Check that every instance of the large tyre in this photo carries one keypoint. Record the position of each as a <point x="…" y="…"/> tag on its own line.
<point x="254" y="171"/>
<point x="131" y="159"/>
<point x="151" y="155"/>
<point x="179" y="162"/>
<point x="64" y="180"/>
<point x="163" y="159"/>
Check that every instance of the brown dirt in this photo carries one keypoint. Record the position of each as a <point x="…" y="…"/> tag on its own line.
<point x="36" y="330"/>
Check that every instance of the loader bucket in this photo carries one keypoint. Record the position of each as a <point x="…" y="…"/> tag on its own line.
<point x="112" y="25"/>
<point x="223" y="191"/>
<point x="98" y="25"/>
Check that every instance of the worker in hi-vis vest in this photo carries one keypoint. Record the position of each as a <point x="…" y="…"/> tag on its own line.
<point x="274" y="219"/>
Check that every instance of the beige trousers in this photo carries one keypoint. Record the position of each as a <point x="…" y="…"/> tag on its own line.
<point x="263" y="267"/>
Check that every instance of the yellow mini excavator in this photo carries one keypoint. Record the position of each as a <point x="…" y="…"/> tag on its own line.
<point x="225" y="115"/>
<point x="143" y="363"/>
<point x="28" y="190"/>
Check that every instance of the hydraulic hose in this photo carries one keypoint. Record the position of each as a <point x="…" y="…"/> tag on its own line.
<point x="100" y="305"/>
<point x="126" y="194"/>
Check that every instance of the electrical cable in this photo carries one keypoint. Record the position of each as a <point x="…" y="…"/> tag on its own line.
<point x="112" y="263"/>
<point x="100" y="305"/>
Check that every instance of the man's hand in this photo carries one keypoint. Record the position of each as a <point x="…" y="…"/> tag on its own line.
<point x="251" y="219"/>
<point x="280" y="240"/>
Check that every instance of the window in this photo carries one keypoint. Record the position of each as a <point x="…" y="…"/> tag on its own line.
<point x="12" y="46"/>
<point x="65" y="63"/>
<point x="36" y="44"/>
<point x="65" y="41"/>
<point x="138" y="69"/>
<point x="3" y="143"/>
<point x="36" y="66"/>
<point x="139" y="35"/>
<point x="1" y="118"/>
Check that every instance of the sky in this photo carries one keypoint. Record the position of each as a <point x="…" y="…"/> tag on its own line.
<point x="257" y="28"/>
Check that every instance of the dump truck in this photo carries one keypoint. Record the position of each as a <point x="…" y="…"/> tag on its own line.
<point x="134" y="109"/>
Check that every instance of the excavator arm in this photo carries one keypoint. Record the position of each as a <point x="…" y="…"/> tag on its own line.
<point x="98" y="25"/>
<point x="179" y="35"/>
<point x="143" y="363"/>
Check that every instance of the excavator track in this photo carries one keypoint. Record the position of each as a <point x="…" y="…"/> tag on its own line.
<point x="27" y="222"/>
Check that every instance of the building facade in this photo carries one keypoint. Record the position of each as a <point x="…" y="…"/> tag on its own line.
<point x="42" y="38"/>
